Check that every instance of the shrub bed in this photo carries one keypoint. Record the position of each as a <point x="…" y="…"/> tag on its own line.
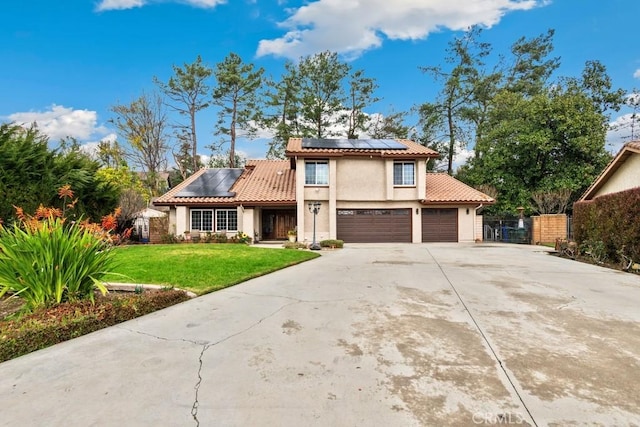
<point x="609" y="225"/>
<point x="332" y="243"/>
<point x="48" y="326"/>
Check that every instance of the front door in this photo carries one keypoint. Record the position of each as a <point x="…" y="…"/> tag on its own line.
<point x="276" y="223"/>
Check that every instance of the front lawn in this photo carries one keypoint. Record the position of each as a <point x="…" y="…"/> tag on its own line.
<point x="200" y="267"/>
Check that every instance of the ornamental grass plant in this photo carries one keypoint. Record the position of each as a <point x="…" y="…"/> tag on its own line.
<point x="46" y="260"/>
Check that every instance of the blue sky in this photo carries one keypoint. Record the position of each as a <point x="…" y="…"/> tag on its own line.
<point x="65" y="63"/>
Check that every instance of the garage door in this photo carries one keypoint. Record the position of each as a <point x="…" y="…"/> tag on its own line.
<point x="439" y="225"/>
<point x="374" y="225"/>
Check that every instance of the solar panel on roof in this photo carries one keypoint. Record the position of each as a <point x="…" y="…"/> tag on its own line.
<point x="212" y="183"/>
<point x="353" y="144"/>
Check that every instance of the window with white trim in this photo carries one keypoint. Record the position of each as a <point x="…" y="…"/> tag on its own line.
<point x="226" y="220"/>
<point x="202" y="219"/>
<point x="404" y="174"/>
<point x="316" y="172"/>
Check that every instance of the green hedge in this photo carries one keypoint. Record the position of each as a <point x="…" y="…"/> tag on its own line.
<point x="613" y="219"/>
<point x="332" y="243"/>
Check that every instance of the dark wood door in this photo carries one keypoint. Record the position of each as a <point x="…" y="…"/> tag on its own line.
<point x="276" y="223"/>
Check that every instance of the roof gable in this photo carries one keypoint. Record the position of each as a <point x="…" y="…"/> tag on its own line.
<point x="443" y="188"/>
<point x="629" y="149"/>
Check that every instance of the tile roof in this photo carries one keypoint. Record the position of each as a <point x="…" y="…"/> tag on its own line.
<point x="267" y="181"/>
<point x="443" y="188"/>
<point x="627" y="150"/>
<point x="262" y="181"/>
<point x="294" y="148"/>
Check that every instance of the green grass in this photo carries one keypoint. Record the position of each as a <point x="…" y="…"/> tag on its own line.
<point x="199" y="268"/>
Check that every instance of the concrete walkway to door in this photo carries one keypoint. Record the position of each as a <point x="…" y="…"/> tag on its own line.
<point x="371" y="335"/>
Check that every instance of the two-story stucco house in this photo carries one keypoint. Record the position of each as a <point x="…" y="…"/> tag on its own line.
<point x="367" y="190"/>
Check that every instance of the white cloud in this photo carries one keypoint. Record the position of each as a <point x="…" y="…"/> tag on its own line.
<point x="351" y="27"/>
<point x="119" y="4"/>
<point x="636" y="74"/>
<point x="130" y="4"/>
<point x="59" y="122"/>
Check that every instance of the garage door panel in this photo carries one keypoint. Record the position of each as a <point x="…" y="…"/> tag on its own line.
<point x="439" y="225"/>
<point x="374" y="225"/>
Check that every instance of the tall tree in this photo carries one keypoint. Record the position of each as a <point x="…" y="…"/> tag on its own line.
<point x="552" y="141"/>
<point x="188" y="93"/>
<point x="596" y="84"/>
<point x="388" y="126"/>
<point x="322" y="94"/>
<point x="26" y="169"/>
<point x="143" y="124"/>
<point x="237" y="95"/>
<point x="111" y="154"/>
<point x="531" y="67"/>
<point x="282" y="103"/>
<point x="361" y="89"/>
<point x="447" y="114"/>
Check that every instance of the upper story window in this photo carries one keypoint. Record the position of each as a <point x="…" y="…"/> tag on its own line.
<point x="316" y="172"/>
<point x="404" y="173"/>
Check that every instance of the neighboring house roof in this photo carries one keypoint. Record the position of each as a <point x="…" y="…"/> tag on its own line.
<point x="443" y="188"/>
<point x="261" y="181"/>
<point x="356" y="147"/>
<point x="623" y="155"/>
<point x="149" y="213"/>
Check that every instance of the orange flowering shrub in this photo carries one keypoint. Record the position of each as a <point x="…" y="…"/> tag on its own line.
<point x="46" y="259"/>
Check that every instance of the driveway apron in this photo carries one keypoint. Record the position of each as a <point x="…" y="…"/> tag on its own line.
<point x="371" y="335"/>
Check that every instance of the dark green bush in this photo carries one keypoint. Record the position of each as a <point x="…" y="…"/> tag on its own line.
<point x="611" y="219"/>
<point x="331" y="243"/>
<point x="46" y="327"/>
<point x="294" y="245"/>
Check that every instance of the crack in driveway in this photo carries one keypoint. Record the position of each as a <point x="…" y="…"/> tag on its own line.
<point x="206" y="346"/>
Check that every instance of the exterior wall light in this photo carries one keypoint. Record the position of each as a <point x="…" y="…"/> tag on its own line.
<point x="314" y="208"/>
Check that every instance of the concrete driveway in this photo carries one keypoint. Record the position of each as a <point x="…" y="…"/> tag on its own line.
<point x="371" y="335"/>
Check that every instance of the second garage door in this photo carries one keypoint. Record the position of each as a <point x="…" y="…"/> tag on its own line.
<point x="439" y="225"/>
<point x="374" y="225"/>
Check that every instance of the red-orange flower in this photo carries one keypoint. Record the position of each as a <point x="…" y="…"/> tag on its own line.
<point x="65" y="191"/>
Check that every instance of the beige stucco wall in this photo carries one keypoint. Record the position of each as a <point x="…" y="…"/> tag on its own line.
<point x="246" y="220"/>
<point x="466" y="224"/>
<point x="626" y="177"/>
<point x="361" y="179"/>
<point x="182" y="220"/>
<point x="366" y="183"/>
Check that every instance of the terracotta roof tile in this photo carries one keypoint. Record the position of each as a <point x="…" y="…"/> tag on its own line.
<point x="262" y="181"/>
<point x="443" y="188"/>
<point x="294" y="148"/>
<point x="267" y="181"/>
